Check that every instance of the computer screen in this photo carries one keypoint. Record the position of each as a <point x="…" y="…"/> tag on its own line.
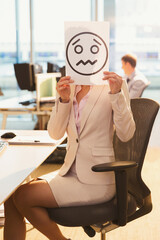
<point x="46" y="88"/>
<point x="25" y="75"/>
<point x="52" y="67"/>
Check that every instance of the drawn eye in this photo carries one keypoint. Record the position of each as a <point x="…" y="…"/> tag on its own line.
<point x="78" y="49"/>
<point x="94" y="49"/>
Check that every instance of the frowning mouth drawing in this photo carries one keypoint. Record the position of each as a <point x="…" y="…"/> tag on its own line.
<point x="84" y="63"/>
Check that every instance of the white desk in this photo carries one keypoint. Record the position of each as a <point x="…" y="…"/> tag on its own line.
<point x="12" y="106"/>
<point x="45" y="87"/>
<point x="17" y="162"/>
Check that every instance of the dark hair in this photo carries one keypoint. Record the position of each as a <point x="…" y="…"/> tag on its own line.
<point x="131" y="59"/>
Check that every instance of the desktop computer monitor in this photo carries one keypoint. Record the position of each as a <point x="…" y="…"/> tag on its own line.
<point x="52" y="67"/>
<point x="25" y="75"/>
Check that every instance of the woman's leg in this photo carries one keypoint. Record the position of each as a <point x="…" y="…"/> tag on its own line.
<point x="30" y="200"/>
<point x="14" y="222"/>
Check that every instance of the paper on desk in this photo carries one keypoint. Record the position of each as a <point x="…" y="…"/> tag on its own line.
<point x="32" y="140"/>
<point x="47" y="99"/>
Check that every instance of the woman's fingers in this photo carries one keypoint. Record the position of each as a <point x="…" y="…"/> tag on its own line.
<point x="63" y="87"/>
<point x="64" y="81"/>
<point x="111" y="75"/>
<point x="115" y="81"/>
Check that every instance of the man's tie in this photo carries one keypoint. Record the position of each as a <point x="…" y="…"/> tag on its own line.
<point x="128" y="80"/>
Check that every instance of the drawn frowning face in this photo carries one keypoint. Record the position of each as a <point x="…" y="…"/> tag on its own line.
<point x="86" y="53"/>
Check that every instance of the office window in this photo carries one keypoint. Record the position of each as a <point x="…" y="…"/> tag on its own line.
<point x="48" y="33"/>
<point x="7" y="37"/>
<point x="14" y="40"/>
<point x="135" y="27"/>
<point x="49" y="17"/>
<point x="24" y="31"/>
<point x="138" y="31"/>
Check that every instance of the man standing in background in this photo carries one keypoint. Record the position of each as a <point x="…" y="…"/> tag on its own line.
<point x="136" y="81"/>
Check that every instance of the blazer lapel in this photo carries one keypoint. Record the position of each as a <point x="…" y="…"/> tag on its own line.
<point x="92" y="99"/>
<point x="72" y="118"/>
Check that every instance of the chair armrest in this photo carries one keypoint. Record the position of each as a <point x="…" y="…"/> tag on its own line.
<point x="120" y="168"/>
<point x="114" y="166"/>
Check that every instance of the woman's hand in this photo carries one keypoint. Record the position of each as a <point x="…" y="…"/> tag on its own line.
<point x="115" y="81"/>
<point x="63" y="88"/>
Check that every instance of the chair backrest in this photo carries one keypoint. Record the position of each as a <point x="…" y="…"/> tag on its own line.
<point x="144" y="88"/>
<point x="144" y="113"/>
<point x="25" y="75"/>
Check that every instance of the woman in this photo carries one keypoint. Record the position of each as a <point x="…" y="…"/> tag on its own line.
<point x="87" y="114"/>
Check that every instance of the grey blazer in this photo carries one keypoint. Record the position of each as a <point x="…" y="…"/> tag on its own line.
<point x="137" y="84"/>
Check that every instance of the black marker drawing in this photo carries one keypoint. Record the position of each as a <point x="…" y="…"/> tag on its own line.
<point x="84" y="63"/>
<point x="86" y="53"/>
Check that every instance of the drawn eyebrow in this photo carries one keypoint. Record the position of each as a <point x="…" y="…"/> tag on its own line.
<point x="76" y="41"/>
<point x="97" y="41"/>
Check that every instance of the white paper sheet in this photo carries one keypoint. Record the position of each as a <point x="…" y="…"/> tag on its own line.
<point x="31" y="140"/>
<point x="87" y="51"/>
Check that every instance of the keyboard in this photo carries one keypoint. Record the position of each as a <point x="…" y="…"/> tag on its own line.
<point x="3" y="145"/>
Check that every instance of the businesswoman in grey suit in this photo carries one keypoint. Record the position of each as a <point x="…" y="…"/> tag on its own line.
<point x="89" y="115"/>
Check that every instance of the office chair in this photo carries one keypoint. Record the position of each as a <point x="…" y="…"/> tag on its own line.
<point x="133" y="197"/>
<point x="144" y="88"/>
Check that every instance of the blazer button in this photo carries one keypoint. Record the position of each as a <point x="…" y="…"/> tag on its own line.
<point x="77" y="140"/>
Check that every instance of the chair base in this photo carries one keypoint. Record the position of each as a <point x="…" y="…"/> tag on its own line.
<point x="104" y="228"/>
